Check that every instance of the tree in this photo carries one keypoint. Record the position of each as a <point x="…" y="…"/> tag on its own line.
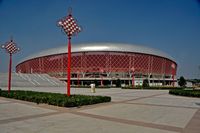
<point x="182" y="82"/>
<point x="118" y="83"/>
<point x="145" y="83"/>
<point x="95" y="82"/>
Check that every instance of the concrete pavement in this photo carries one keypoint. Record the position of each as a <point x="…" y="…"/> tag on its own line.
<point x="140" y="111"/>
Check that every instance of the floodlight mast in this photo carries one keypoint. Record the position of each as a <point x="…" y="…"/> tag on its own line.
<point x="10" y="48"/>
<point x="70" y="27"/>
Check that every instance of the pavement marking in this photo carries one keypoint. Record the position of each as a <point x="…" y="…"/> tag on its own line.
<point x="147" y="104"/>
<point x="7" y="102"/>
<point x="130" y="122"/>
<point x="194" y="124"/>
<point x="120" y="93"/>
<point x="5" y="121"/>
<point x="139" y="98"/>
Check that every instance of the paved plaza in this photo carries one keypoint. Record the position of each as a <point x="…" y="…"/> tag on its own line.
<point x="131" y="111"/>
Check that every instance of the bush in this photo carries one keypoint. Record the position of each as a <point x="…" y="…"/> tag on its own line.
<point x="153" y="87"/>
<point x="55" y="98"/>
<point x="80" y="86"/>
<point x="182" y="82"/>
<point x="131" y="87"/>
<point x="145" y="83"/>
<point x="101" y="87"/>
<point x="118" y="83"/>
<point x="189" y="93"/>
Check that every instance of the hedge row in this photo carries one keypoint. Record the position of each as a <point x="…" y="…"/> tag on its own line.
<point x="55" y="98"/>
<point x="80" y="86"/>
<point x="189" y="93"/>
<point x="103" y="87"/>
<point x="153" y="87"/>
<point x="98" y="87"/>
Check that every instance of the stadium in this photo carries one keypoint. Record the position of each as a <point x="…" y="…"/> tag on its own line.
<point x="104" y="64"/>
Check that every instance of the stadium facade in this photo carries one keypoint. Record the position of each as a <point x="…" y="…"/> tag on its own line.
<point x="104" y="63"/>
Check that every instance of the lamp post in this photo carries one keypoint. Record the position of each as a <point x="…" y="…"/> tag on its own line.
<point x="133" y="69"/>
<point x="10" y="48"/>
<point x="70" y="27"/>
<point x="173" y="73"/>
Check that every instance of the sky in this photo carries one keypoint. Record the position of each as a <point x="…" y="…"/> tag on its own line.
<point x="172" y="26"/>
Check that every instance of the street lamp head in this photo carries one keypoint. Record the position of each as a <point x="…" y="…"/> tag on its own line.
<point x="10" y="47"/>
<point x="69" y="25"/>
<point x="2" y="46"/>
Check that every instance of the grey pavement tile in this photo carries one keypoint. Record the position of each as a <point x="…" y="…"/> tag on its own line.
<point x="14" y="110"/>
<point x="178" y="102"/>
<point x="152" y="114"/>
<point x="69" y="123"/>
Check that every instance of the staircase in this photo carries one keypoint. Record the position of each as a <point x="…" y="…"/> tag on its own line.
<point x="30" y="80"/>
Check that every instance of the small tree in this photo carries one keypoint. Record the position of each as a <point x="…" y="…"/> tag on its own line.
<point x="182" y="82"/>
<point x="118" y="83"/>
<point x="95" y="82"/>
<point x="145" y="83"/>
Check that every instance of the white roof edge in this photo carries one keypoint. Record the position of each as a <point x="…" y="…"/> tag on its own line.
<point x="89" y="47"/>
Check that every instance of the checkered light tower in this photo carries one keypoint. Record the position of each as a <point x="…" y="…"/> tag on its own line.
<point x="70" y="27"/>
<point x="10" y="48"/>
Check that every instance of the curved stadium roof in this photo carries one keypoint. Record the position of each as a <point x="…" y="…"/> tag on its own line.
<point x="89" y="47"/>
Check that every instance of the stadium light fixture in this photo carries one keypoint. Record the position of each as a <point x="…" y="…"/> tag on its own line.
<point x="10" y="48"/>
<point x="71" y="28"/>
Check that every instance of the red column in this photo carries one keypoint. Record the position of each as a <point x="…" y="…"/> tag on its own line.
<point x="133" y="80"/>
<point x="101" y="80"/>
<point x="173" y="73"/>
<point x="78" y="80"/>
<point x="69" y="66"/>
<point x="9" y="74"/>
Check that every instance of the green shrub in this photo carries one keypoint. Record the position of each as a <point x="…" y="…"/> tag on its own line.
<point x="80" y="86"/>
<point x="131" y="87"/>
<point x="101" y="87"/>
<point x="153" y="87"/>
<point x="182" y="82"/>
<point x="118" y="83"/>
<point x="189" y="93"/>
<point x="55" y="98"/>
<point x="145" y="83"/>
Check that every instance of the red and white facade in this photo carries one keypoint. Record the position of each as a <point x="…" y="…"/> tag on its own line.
<point x="107" y="61"/>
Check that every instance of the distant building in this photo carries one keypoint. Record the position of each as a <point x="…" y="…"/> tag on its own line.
<point x="104" y="62"/>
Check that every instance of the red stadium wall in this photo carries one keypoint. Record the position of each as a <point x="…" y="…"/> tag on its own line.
<point x="99" y="62"/>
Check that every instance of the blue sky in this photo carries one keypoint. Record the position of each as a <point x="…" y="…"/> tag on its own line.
<point x="172" y="26"/>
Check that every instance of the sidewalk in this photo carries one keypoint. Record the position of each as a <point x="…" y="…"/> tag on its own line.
<point x="139" y="111"/>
